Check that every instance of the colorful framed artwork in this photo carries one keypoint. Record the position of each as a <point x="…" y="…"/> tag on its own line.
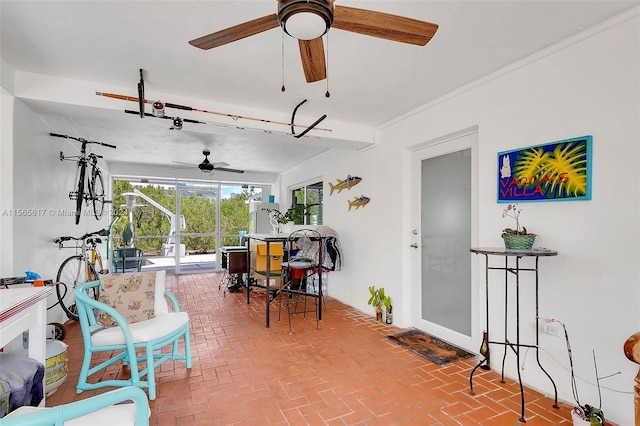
<point x="557" y="171"/>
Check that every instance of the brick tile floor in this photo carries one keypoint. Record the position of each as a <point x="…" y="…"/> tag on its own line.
<point x="346" y="373"/>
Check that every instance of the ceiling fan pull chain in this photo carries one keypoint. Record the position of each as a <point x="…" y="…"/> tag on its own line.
<point x="327" y="94"/>
<point x="282" y="55"/>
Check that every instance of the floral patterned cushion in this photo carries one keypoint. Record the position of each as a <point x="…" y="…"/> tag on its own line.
<point x="131" y="294"/>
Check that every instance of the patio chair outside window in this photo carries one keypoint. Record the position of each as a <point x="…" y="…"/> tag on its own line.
<point x="127" y="259"/>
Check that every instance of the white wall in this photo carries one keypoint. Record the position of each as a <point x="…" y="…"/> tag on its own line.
<point x="6" y="165"/>
<point x="368" y="235"/>
<point x="40" y="202"/>
<point x="586" y="85"/>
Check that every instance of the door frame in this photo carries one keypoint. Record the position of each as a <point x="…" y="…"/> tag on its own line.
<point x="446" y="144"/>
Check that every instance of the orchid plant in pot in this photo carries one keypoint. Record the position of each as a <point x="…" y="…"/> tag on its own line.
<point x="518" y="238"/>
<point x="583" y="414"/>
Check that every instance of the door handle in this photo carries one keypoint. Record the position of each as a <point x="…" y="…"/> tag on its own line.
<point x="414" y="245"/>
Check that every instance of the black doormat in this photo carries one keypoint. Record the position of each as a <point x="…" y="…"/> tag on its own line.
<point x="433" y="349"/>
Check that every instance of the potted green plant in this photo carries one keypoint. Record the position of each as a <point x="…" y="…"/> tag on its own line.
<point x="518" y="238"/>
<point x="378" y="299"/>
<point x="386" y="301"/>
<point x="277" y="218"/>
<point x="288" y="216"/>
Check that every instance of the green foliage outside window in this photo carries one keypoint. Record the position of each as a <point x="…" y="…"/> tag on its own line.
<point x="199" y="212"/>
<point x="307" y="202"/>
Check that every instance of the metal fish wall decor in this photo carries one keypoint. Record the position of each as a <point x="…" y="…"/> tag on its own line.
<point x="347" y="183"/>
<point x="358" y="202"/>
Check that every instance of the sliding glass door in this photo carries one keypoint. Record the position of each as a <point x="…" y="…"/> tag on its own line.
<point x="180" y="225"/>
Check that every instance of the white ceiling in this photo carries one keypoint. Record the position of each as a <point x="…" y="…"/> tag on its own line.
<point x="371" y="81"/>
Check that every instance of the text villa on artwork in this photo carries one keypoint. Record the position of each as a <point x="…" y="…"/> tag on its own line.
<point x="552" y="172"/>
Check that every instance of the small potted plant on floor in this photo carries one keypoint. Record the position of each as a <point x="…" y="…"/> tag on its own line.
<point x="388" y="317"/>
<point x="518" y="238"/>
<point x="377" y="300"/>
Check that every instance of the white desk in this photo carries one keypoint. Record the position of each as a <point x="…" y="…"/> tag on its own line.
<point x="23" y="309"/>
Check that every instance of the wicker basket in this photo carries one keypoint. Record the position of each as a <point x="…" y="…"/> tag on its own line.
<point x="519" y="242"/>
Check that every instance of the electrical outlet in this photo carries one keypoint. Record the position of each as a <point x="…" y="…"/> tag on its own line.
<point x="552" y="328"/>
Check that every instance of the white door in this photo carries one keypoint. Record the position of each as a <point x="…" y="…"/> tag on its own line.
<point x="444" y="192"/>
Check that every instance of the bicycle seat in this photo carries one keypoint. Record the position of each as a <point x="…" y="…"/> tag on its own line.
<point x="94" y="241"/>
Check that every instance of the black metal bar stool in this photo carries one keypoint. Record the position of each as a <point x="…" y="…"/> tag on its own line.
<point x="297" y="283"/>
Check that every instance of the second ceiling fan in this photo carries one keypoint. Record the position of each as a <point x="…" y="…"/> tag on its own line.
<point x="208" y="166"/>
<point x="309" y="20"/>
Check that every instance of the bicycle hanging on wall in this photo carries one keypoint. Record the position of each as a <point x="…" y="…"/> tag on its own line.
<point x="89" y="189"/>
<point x="85" y="265"/>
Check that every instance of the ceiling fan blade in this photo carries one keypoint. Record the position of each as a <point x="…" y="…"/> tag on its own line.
<point x="313" y="63"/>
<point x="187" y="164"/>
<point x="224" y="169"/>
<point x="383" y="25"/>
<point x="237" y="32"/>
<point x="219" y="164"/>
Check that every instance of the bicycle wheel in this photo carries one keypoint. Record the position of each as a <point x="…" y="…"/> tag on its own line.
<point x="96" y="191"/>
<point x="72" y="273"/>
<point x="80" y="199"/>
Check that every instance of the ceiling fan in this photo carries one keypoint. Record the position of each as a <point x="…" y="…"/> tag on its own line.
<point x="207" y="166"/>
<point x="309" y="20"/>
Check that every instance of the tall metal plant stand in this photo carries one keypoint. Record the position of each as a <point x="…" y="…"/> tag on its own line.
<point x="514" y="270"/>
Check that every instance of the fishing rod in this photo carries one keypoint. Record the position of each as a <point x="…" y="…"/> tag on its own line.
<point x="188" y="108"/>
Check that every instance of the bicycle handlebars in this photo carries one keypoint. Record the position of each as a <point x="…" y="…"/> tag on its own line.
<point x="81" y="140"/>
<point x="102" y="233"/>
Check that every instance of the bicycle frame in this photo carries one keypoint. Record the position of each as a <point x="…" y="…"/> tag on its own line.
<point x="89" y="254"/>
<point x="93" y="258"/>
<point x="80" y="178"/>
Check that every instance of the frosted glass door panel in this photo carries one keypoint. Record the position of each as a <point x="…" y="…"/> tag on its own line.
<point x="446" y="237"/>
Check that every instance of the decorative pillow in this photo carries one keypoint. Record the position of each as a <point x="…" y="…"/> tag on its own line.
<point x="131" y="294"/>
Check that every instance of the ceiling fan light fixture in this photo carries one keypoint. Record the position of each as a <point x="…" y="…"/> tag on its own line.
<point x="305" y="26"/>
<point x="305" y="19"/>
<point x="206" y="165"/>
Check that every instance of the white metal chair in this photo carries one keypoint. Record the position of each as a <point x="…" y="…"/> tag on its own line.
<point x="124" y="338"/>
<point x="99" y="410"/>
